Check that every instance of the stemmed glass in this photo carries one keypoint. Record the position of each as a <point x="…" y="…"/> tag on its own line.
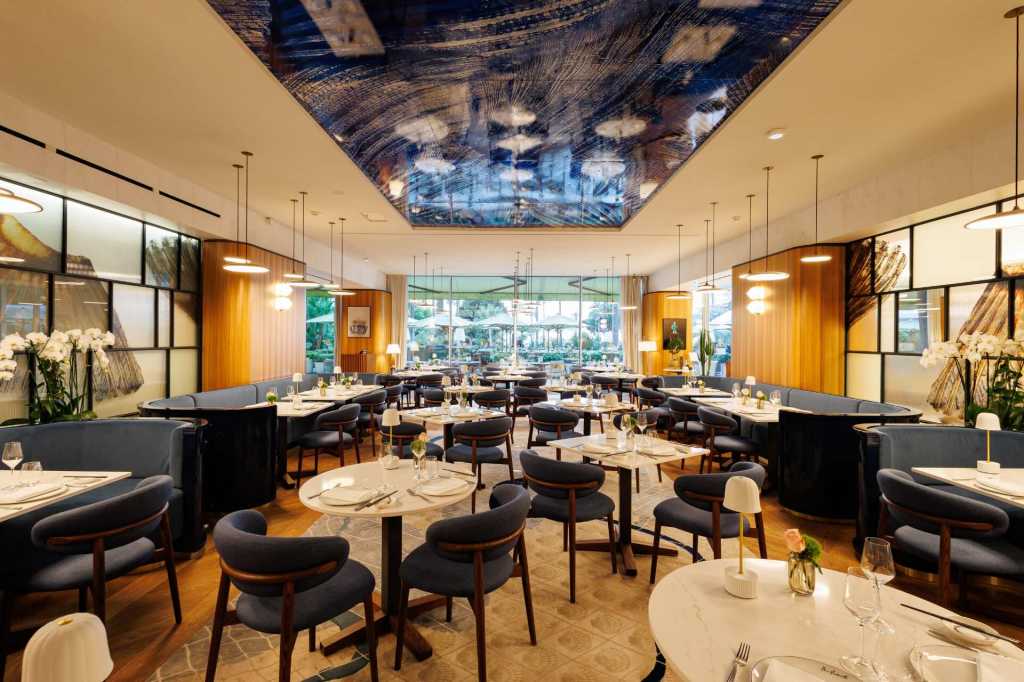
<point x="418" y="449"/>
<point x="735" y="390"/>
<point x="589" y="389"/>
<point x="877" y="563"/>
<point x="775" y="397"/>
<point x="12" y="455"/>
<point x="641" y="424"/>
<point x="861" y="598"/>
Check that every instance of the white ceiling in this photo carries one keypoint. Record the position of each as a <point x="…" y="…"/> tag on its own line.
<point x="168" y="81"/>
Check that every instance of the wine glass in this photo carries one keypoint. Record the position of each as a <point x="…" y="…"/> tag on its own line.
<point x="775" y="397"/>
<point x="736" y="390"/>
<point x="877" y="563"/>
<point x="861" y="598"/>
<point x="418" y="449"/>
<point x="12" y="455"/>
<point x="589" y="389"/>
<point x="641" y="426"/>
<point x="34" y="466"/>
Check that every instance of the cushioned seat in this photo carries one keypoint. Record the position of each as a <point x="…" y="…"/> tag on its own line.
<point x="76" y="571"/>
<point x="323" y="439"/>
<point x="460" y="452"/>
<point x="588" y="508"/>
<point x="822" y="402"/>
<point x="693" y="428"/>
<point x="680" y="514"/>
<point x="735" y="444"/>
<point x="342" y="591"/>
<point x="542" y="437"/>
<point x="523" y="410"/>
<point x="991" y="557"/>
<point x="426" y="570"/>
<point x="181" y="401"/>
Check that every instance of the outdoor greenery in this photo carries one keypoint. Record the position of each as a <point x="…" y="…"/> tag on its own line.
<point x="319" y="335"/>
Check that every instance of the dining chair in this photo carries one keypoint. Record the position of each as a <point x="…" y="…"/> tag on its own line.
<point x="722" y="437"/>
<point x="394" y="394"/>
<point x="535" y="374"/>
<point x="549" y="423"/>
<point x="427" y="381"/>
<point x="568" y="492"/>
<point x="497" y="399"/>
<point x="522" y="398"/>
<point x="479" y="443"/>
<point x="602" y="384"/>
<point x="469" y="557"/>
<point x="686" y="424"/>
<point x="432" y="397"/>
<point x="951" y="530"/>
<point x="372" y="406"/>
<point x="84" y="547"/>
<point x="404" y="434"/>
<point x="697" y="509"/>
<point x="656" y="401"/>
<point x="533" y="383"/>
<point x="287" y="585"/>
<point x="333" y="430"/>
<point x="653" y="383"/>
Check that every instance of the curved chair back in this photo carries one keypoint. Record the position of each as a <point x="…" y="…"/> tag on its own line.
<point x="536" y="374"/>
<point x="487" y="535"/>
<point x="112" y="522"/>
<point x="403" y="434"/>
<point x="432" y="380"/>
<point x="344" y="418"/>
<point x="393" y="393"/>
<point x="528" y="395"/>
<point x="927" y="509"/>
<point x="652" y="382"/>
<point x="533" y="383"/>
<point x="682" y="409"/>
<point x="716" y="421"/>
<point x="605" y="383"/>
<point x="705" y="490"/>
<point x="263" y="566"/>
<point x="497" y="398"/>
<point x="557" y="479"/>
<point x="486" y="433"/>
<point x="375" y="401"/>
<point x="652" y="418"/>
<point x="387" y="380"/>
<point x="432" y="397"/>
<point x="649" y="397"/>
<point x="547" y="418"/>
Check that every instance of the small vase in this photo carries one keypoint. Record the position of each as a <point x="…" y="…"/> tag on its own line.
<point x="801" y="575"/>
<point x="323" y="391"/>
<point x="760" y="403"/>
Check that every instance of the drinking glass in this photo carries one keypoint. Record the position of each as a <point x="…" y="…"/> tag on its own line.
<point x="641" y="422"/>
<point x="359" y="381"/>
<point x="432" y="468"/>
<point x="735" y="390"/>
<point x="12" y="455"/>
<point x="877" y="563"/>
<point x="418" y="449"/>
<point x="589" y="389"/>
<point x="861" y="598"/>
<point x="35" y="467"/>
<point x="775" y="397"/>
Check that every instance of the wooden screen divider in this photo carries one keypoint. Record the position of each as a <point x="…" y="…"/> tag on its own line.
<point x="657" y="306"/>
<point x="364" y="354"/>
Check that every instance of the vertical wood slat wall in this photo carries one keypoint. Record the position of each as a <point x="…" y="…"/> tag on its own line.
<point x="656" y="307"/>
<point x="800" y="340"/>
<point x="347" y="350"/>
<point x="244" y="338"/>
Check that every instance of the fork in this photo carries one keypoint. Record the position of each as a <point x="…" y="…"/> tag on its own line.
<point x="741" y="659"/>
<point x="416" y="493"/>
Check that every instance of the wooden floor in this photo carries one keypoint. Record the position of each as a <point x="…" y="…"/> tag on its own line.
<point x="141" y="626"/>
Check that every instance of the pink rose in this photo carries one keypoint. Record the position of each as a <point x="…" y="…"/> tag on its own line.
<point x="794" y="541"/>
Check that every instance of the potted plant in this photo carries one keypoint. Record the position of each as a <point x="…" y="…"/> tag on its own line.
<point x="272" y="397"/>
<point x="804" y="559"/>
<point x="705" y="350"/>
<point x="675" y="350"/>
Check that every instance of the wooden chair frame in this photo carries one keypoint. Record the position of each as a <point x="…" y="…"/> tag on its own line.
<point x="474" y="443"/>
<point x="557" y="427"/>
<point x="372" y="426"/>
<point x="223" y="617"/>
<point x="343" y="428"/>
<point x="516" y="404"/>
<point x="717" y="456"/>
<point x="477" y="601"/>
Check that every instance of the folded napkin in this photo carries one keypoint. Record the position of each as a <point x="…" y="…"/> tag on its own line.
<point x="780" y="671"/>
<point x="659" y="450"/>
<point x="24" y="493"/>
<point x="1001" y="486"/>
<point x="993" y="668"/>
<point x="597" y="448"/>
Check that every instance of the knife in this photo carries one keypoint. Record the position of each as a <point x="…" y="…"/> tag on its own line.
<point x="370" y="503"/>
<point x="962" y="624"/>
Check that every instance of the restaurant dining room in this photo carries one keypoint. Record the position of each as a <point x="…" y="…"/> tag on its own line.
<point x="446" y="340"/>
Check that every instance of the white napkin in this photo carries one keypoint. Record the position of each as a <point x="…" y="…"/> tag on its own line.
<point x="596" y="448"/>
<point x="994" y="668"/>
<point x="780" y="671"/>
<point x="13" y="495"/>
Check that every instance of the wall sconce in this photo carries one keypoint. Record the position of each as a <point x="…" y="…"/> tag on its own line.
<point x="756" y="305"/>
<point x="282" y="303"/>
<point x="282" y="289"/>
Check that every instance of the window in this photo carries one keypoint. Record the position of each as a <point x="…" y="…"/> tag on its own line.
<point x="320" y="332"/>
<point x="714" y="312"/>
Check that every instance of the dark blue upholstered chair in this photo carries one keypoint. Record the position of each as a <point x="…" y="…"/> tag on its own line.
<point x="568" y="492"/>
<point x="432" y="397"/>
<point x="536" y="374"/>
<point x="404" y="434"/>
<point x="427" y="381"/>
<point x="697" y="509"/>
<point x="949" y="529"/>
<point x="333" y="430"/>
<point x="602" y="384"/>
<point x="536" y="382"/>
<point x="372" y="405"/>
<point x="479" y="443"/>
<point x="84" y="547"/>
<point x="393" y="395"/>
<point x="653" y="383"/>
<point x="549" y="423"/>
<point x="469" y="557"/>
<point x="687" y="426"/>
<point x="522" y="398"/>
<point x="498" y="399"/>
<point x="287" y="585"/>
<point x="723" y="437"/>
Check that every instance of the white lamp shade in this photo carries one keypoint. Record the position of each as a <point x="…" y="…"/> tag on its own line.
<point x="414" y="347"/>
<point x="73" y="647"/>
<point x="742" y="495"/>
<point x="390" y="417"/>
<point x="750" y="381"/>
<point x="337" y="369"/>
<point x="393" y="349"/>
<point x="647" y="346"/>
<point x="987" y="421"/>
<point x="297" y="378"/>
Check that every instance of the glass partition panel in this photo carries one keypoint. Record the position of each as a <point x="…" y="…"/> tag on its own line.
<point x="978" y="308"/>
<point x="908" y="383"/>
<point x="81" y="304"/>
<point x="22" y="302"/>
<point x="161" y="257"/>
<point x="862" y="330"/>
<point x="184" y="371"/>
<point x="320" y="331"/>
<point x="103" y="244"/>
<point x="921" y="320"/>
<point x="936" y="241"/>
<point x="892" y="261"/>
<point x="186" y="319"/>
<point x="133" y="377"/>
<point x="163" y="318"/>
<point x="134" y="316"/>
<point x="32" y="240"/>
<point x="14" y="392"/>
<point x="887" y="322"/>
<point x="864" y="376"/>
<point x="189" y="263"/>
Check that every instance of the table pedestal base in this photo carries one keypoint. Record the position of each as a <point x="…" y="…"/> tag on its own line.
<point x="385" y="623"/>
<point x="627" y="552"/>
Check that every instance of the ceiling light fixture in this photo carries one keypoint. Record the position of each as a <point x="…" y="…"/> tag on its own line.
<point x="818" y="256"/>
<point x="248" y="267"/>
<point x="750" y="236"/>
<point x="12" y="203"/>
<point x="708" y="286"/>
<point x="776" y="133"/>
<point x="293" y="274"/>
<point x="767" y="275"/>
<point x="629" y="306"/>
<point x="680" y="295"/>
<point x="305" y="282"/>
<point x="342" y="291"/>
<point x="237" y="258"/>
<point x="1015" y="216"/>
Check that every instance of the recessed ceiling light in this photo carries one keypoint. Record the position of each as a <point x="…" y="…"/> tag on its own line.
<point x="339" y="137"/>
<point x="776" y="133"/>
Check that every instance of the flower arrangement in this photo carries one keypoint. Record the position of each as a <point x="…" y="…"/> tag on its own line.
<point x="346" y="381"/>
<point x="700" y="385"/>
<point x="57" y="358"/>
<point x="744" y="395"/>
<point x="272" y="396"/>
<point x="804" y="560"/>
<point x="759" y="397"/>
<point x="322" y="387"/>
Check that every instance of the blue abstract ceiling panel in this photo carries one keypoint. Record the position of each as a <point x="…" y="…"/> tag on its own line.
<point x="494" y="113"/>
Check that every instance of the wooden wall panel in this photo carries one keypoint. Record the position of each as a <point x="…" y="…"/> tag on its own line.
<point x="244" y="338"/>
<point x="657" y="306"/>
<point x="348" y="350"/>
<point x="800" y="339"/>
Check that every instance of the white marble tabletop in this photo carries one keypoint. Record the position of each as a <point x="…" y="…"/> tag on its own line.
<point x="766" y="414"/>
<point x="595" y="406"/>
<point x="622" y="376"/>
<point x="687" y="392"/>
<point x="565" y="388"/>
<point x="337" y="393"/>
<point x="413" y="373"/>
<point x="72" y="483"/>
<point x="462" y="388"/>
<point x="440" y="416"/>
<point x="698" y="625"/>
<point x="622" y="454"/>
<point x="967" y="478"/>
<point x="373" y="476"/>
<point x="285" y="408"/>
<point x="506" y="377"/>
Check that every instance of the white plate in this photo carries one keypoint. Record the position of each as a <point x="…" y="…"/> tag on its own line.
<point x="997" y="486"/>
<point x="662" y="451"/>
<point x="345" y="495"/>
<point x="966" y="635"/>
<point x="443" y="486"/>
<point x="818" y="669"/>
<point x="44" y="495"/>
<point x="938" y="663"/>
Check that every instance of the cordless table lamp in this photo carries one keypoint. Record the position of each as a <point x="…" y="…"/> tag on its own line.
<point x="741" y="495"/>
<point x="987" y="422"/>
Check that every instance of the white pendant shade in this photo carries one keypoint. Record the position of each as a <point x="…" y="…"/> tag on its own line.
<point x="1003" y="220"/>
<point x="769" y="276"/>
<point x="304" y="284"/>
<point x="236" y="259"/>
<point x="73" y="647"/>
<point x="293" y="275"/>
<point x="246" y="268"/>
<point x="817" y="258"/>
<point x="12" y="203"/>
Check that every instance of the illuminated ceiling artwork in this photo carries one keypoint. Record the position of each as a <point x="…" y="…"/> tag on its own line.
<point x="521" y="113"/>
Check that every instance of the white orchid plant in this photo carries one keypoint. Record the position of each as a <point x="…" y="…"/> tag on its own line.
<point x="57" y="357"/>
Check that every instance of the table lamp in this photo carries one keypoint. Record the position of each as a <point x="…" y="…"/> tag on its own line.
<point x="987" y="422"/>
<point x="393" y="349"/>
<point x="73" y="647"/>
<point x="390" y="419"/>
<point x="297" y="380"/>
<point x="741" y="495"/>
<point x="750" y="382"/>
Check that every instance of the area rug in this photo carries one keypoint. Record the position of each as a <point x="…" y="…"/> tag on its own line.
<point x="604" y="636"/>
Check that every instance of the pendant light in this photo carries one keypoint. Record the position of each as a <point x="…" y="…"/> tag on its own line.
<point x="341" y="290"/>
<point x="330" y="285"/>
<point x="628" y="284"/>
<point x="246" y="267"/>
<point x="237" y="257"/>
<point x="427" y="303"/>
<point x="293" y="273"/>
<point x="767" y="275"/>
<point x="708" y="286"/>
<point x="750" y="236"/>
<point x="1015" y="216"/>
<point x="818" y="257"/>
<point x="680" y="295"/>
<point x="11" y="203"/>
<point x="305" y="282"/>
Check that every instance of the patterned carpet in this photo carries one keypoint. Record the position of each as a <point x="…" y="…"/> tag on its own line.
<point x="604" y="636"/>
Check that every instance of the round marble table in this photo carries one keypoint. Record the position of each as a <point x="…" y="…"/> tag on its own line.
<point x="698" y="626"/>
<point x="372" y="475"/>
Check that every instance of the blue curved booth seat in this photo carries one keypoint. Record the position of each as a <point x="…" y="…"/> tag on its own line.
<point x="904" y="446"/>
<point x="814" y="456"/>
<point x="145" y="447"/>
